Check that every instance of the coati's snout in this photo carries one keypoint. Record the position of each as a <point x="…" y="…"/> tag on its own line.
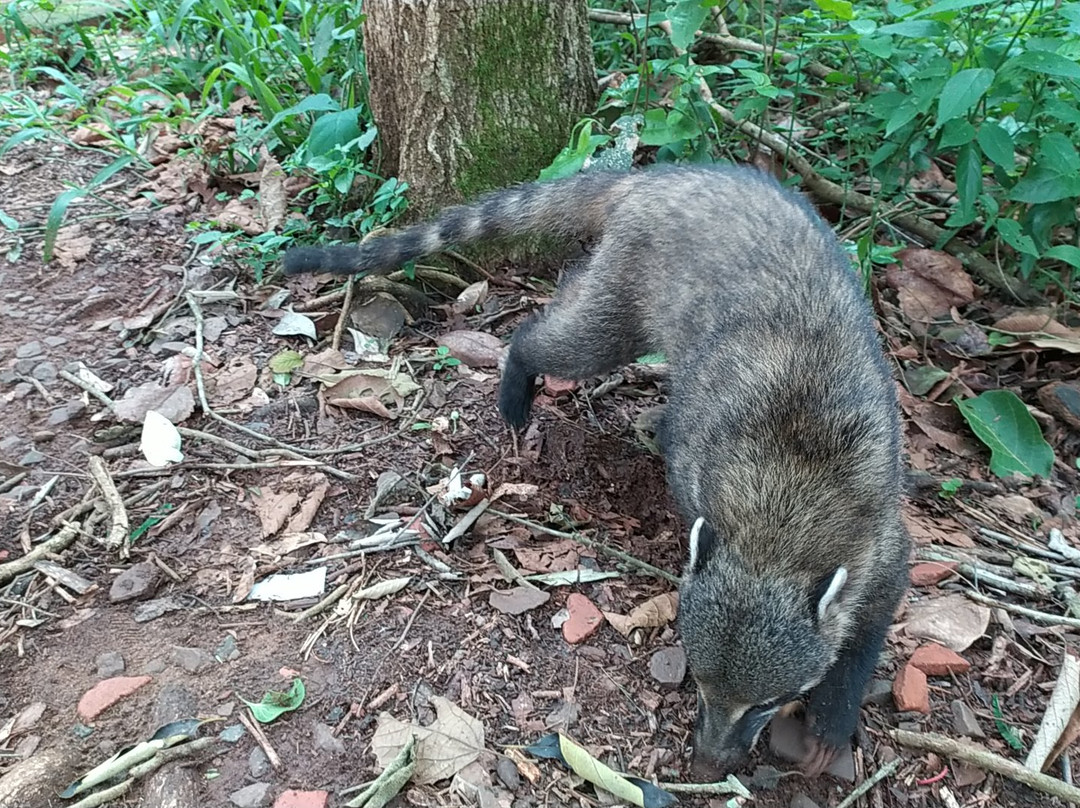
<point x="723" y="740"/>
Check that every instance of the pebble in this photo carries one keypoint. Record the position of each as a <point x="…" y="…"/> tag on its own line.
<point x="153" y="609"/>
<point x="105" y="694"/>
<point x="192" y="660"/>
<point x="24" y="366"/>
<point x="232" y="733"/>
<point x="227" y="650"/>
<point x="910" y="691"/>
<point x="21" y="391"/>
<point x="258" y="763"/>
<point x="254" y="796"/>
<point x="137" y="582"/>
<point x="45" y="372"/>
<point x="583" y="619"/>
<point x="879" y="692"/>
<point x="31" y="458"/>
<point x="55" y="342"/>
<point x="29" y="349"/>
<point x="964" y="720"/>
<point x="668" y="665"/>
<point x="326" y="740"/>
<point x="109" y="664"/>
<point x="507" y="773"/>
<point x="62" y="415"/>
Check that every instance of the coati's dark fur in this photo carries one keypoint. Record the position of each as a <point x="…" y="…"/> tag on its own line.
<point x="781" y="432"/>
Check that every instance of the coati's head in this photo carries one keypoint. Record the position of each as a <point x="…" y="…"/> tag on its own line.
<point x="754" y="643"/>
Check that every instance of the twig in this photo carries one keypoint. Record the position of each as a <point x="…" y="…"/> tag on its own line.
<point x="730" y="785"/>
<point x="611" y="552"/>
<point x="89" y="388"/>
<point x="119" y="530"/>
<point x="318" y="302"/>
<point x="260" y="738"/>
<point x="1025" y="547"/>
<point x="346" y="304"/>
<point x="981" y="574"/>
<point x="1041" y="617"/>
<point x="432" y="275"/>
<point x="977" y="756"/>
<point x="885" y="771"/>
<point x="13" y="481"/>
<point x="412" y="619"/>
<point x="323" y="604"/>
<point x="56" y="544"/>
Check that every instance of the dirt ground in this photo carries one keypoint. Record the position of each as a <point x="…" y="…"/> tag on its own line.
<point x="113" y="300"/>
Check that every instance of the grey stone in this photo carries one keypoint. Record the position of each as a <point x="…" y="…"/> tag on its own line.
<point x="227" y="650"/>
<point x="137" y="582"/>
<point x="232" y="733"/>
<point x="25" y="366"/>
<point x="109" y="664"/>
<point x="22" y="390"/>
<point x="326" y="740"/>
<point x="507" y="773"/>
<point x="72" y="409"/>
<point x="879" y="692"/>
<point x="258" y="763"/>
<point x="964" y="720"/>
<point x="802" y="801"/>
<point x="155" y="666"/>
<point x="193" y="660"/>
<point x="153" y="609"/>
<point x="45" y="372"/>
<point x="668" y="665"/>
<point x="254" y="796"/>
<point x="31" y="458"/>
<point x="55" y="342"/>
<point x="29" y="349"/>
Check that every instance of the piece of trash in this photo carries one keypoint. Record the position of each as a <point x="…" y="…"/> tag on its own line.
<point x="160" y="442"/>
<point x="290" y="586"/>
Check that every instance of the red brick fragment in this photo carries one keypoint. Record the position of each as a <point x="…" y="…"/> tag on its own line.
<point x="302" y="799"/>
<point x="583" y="621"/>
<point x="931" y="573"/>
<point x="910" y="691"/>
<point x="937" y="660"/>
<point x="558" y="387"/>
<point x="105" y="694"/>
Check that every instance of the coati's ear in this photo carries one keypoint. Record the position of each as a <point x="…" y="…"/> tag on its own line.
<point x="702" y="539"/>
<point x="827" y="591"/>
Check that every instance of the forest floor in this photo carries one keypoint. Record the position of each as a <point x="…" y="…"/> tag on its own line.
<point x="169" y="612"/>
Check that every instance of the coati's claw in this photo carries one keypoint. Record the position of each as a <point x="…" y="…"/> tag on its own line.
<point x="819" y="756"/>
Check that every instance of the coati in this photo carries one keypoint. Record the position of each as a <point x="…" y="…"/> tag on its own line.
<point x="781" y="432"/>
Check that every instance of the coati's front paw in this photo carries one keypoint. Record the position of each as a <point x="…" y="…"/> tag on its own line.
<point x="819" y="756"/>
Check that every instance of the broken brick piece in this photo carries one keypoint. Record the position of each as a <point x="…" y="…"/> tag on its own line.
<point x="583" y="621"/>
<point x="558" y="387"/>
<point x="302" y="799"/>
<point x="106" y="693"/>
<point x="931" y="573"/>
<point x="910" y="691"/>
<point x="937" y="660"/>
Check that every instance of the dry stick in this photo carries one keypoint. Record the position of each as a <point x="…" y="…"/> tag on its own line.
<point x="89" y="388"/>
<point x="837" y="195"/>
<point x="120" y="528"/>
<point x="13" y="481"/>
<point x="56" y="544"/>
<point x="731" y="785"/>
<point x="196" y="366"/>
<point x="1042" y="617"/>
<point x="611" y="552"/>
<point x="981" y="573"/>
<point x="346" y="304"/>
<point x="885" y="771"/>
<point x="726" y="41"/>
<point x="969" y="753"/>
<point x="260" y="738"/>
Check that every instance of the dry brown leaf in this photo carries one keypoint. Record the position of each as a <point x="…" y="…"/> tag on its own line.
<point x="247" y="580"/>
<point x="272" y="197"/>
<point x="87" y="135"/>
<point x="552" y="557"/>
<point x="518" y="600"/>
<point x="235" y="381"/>
<point x="175" y="403"/>
<point x="288" y="543"/>
<point x="368" y="404"/>
<point x="301" y="520"/>
<point x="273" y="509"/>
<point x="952" y="620"/>
<point x="524" y="490"/>
<point x="929" y="283"/>
<point x="471" y="296"/>
<point x="323" y="363"/>
<point x="653" y="613"/>
<point x="474" y="348"/>
<point x="925" y="530"/>
<point x="443" y="748"/>
<point x="241" y="215"/>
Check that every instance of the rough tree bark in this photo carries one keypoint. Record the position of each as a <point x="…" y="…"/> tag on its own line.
<point x="471" y="95"/>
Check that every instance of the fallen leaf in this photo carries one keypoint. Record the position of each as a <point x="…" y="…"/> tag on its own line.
<point x="443" y="748"/>
<point x="929" y="283"/>
<point x="471" y="296"/>
<point x="174" y="403"/>
<point x="387" y="387"/>
<point x="1056" y="719"/>
<point x="368" y="404"/>
<point x="273" y="509"/>
<point x="551" y="557"/>
<point x="653" y="613"/>
<point x="474" y="348"/>
<point x="301" y="520"/>
<point x="324" y="362"/>
<point x="72" y="246"/>
<point x="288" y="543"/>
<point x="233" y="382"/>
<point x="294" y="324"/>
<point x="953" y="620"/>
<point x="241" y="215"/>
<point x="271" y="196"/>
<point x="518" y="600"/>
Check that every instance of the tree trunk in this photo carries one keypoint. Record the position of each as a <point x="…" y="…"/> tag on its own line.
<point x="471" y="95"/>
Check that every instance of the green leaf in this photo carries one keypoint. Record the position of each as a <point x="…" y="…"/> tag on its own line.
<point x="285" y="361"/>
<point x="968" y="185"/>
<point x="962" y="91"/>
<point x="1064" y="252"/>
<point x="997" y="144"/>
<point x="841" y="9"/>
<point x="1001" y="421"/>
<point x="1007" y="732"/>
<point x="946" y="5"/>
<point x="1052" y="64"/>
<point x="1010" y="231"/>
<point x="56" y="218"/>
<point x="686" y="17"/>
<point x="917" y="29"/>
<point x="1042" y="184"/>
<point x="274" y="703"/>
<point x="332" y="130"/>
<point x="8" y="222"/>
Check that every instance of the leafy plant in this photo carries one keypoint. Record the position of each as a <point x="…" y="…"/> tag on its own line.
<point x="1001" y="421"/>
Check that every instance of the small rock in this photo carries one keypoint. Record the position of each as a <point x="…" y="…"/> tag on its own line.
<point x="24" y="366"/>
<point x="137" y="582"/>
<point x="1062" y="400"/>
<point x="668" y="665"/>
<point x="21" y="391"/>
<point x="55" y="342"/>
<point x="227" y="650"/>
<point x="105" y="694"/>
<point x="507" y="773"/>
<point x="475" y="349"/>
<point x="803" y="801"/>
<point x="583" y="619"/>
<point x="879" y="692"/>
<point x="302" y="799"/>
<point x="43" y="436"/>
<point x="192" y="660"/>
<point x="258" y="763"/>
<point x="326" y="740"/>
<point x="109" y="664"/>
<point x="28" y="350"/>
<point x="964" y="720"/>
<point x="31" y="458"/>
<point x="910" y="691"/>
<point x="254" y="796"/>
<point x="45" y="372"/>
<point x="937" y="660"/>
<point x="232" y="733"/>
<point x="155" y="666"/>
<point x="153" y="609"/>
<point x="61" y="415"/>
<point x="931" y="573"/>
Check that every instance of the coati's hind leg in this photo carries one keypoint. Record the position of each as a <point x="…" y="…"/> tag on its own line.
<point x="592" y="327"/>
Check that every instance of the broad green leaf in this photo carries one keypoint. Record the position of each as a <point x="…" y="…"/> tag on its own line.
<point x="1001" y="421"/>
<point x="957" y="132"/>
<point x="1010" y="231"/>
<point x="997" y="144"/>
<point x="1007" y="732"/>
<point x="686" y="17"/>
<point x="946" y="5"/>
<point x="332" y="130"/>
<point x="8" y="222"/>
<point x="968" y="186"/>
<point x="917" y="29"/>
<point x="32" y="133"/>
<point x="274" y="704"/>
<point x="1064" y="252"/>
<point x="56" y="218"/>
<point x="1042" y="184"/>
<point x="285" y="361"/>
<point x="1052" y="64"/>
<point x="1059" y="153"/>
<point x="841" y="9"/>
<point x="962" y="91"/>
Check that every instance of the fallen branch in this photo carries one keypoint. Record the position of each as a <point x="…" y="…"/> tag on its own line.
<point x="120" y="529"/>
<point x="977" y="756"/>
<point x="1041" y="617"/>
<point x="56" y="544"/>
<point x="885" y="771"/>
<point x="346" y="304"/>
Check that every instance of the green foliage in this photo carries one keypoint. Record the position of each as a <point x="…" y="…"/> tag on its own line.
<point x="443" y="359"/>
<point x="949" y="488"/>
<point x="1001" y="421"/>
<point x="275" y="704"/>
